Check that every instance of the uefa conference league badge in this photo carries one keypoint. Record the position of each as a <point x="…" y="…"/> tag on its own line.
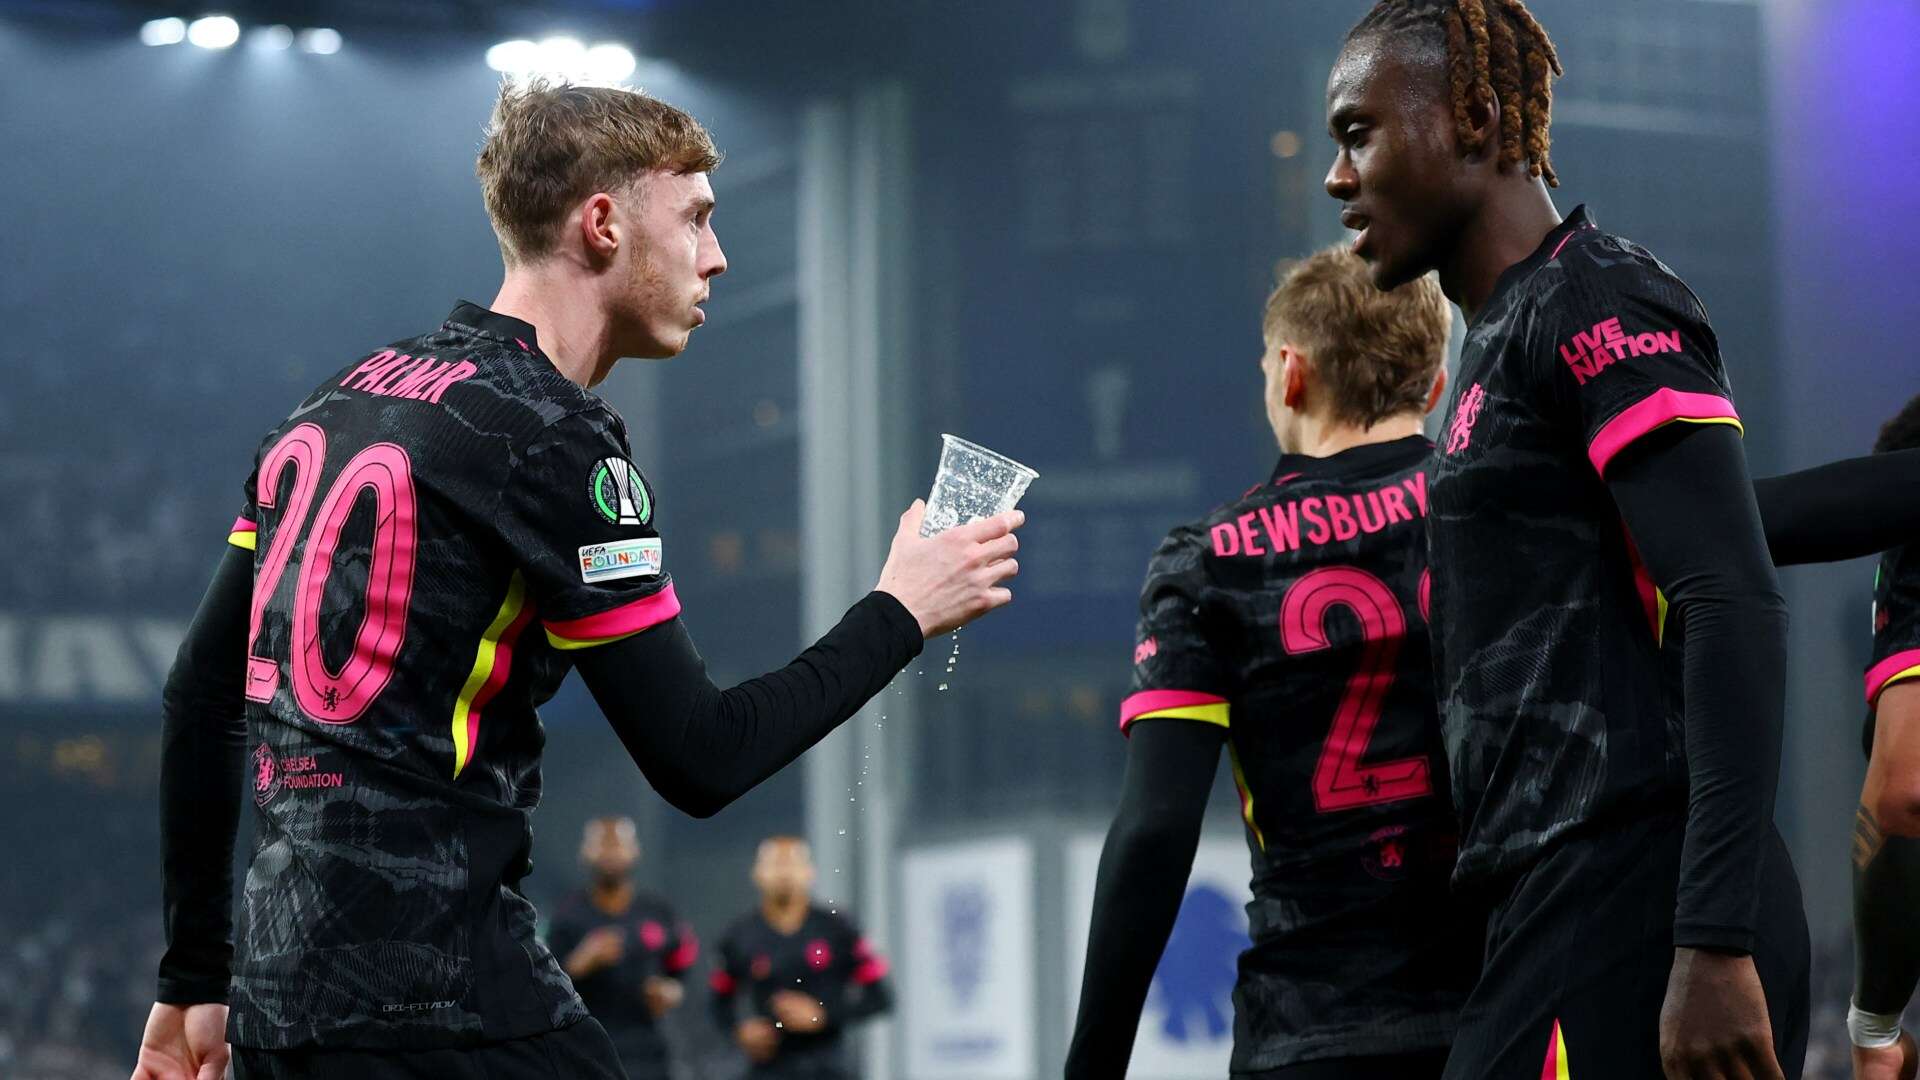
<point x="617" y="492"/>
<point x="620" y="497"/>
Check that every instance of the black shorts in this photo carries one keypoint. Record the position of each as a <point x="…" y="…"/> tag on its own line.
<point x="1422" y="1066"/>
<point x="1582" y="944"/>
<point x="579" y="1052"/>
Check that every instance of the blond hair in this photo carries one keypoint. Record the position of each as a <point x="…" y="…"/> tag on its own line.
<point x="1377" y="353"/>
<point x="551" y="144"/>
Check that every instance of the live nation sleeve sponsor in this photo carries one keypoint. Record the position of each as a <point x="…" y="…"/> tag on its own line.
<point x="1629" y="348"/>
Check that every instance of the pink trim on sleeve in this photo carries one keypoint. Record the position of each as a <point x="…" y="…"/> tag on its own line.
<point x="1147" y="701"/>
<point x="1662" y="407"/>
<point x="1884" y="672"/>
<point x="626" y="619"/>
<point x="241" y="524"/>
<point x="682" y="958"/>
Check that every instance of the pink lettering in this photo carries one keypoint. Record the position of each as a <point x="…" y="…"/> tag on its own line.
<point x="384" y="385"/>
<point x="419" y="377"/>
<point x="1341" y="515"/>
<point x="1310" y="509"/>
<point x="1669" y="340"/>
<point x="1396" y="503"/>
<point x="1282" y="525"/>
<point x="1225" y="540"/>
<point x="1146" y="650"/>
<point x="462" y="370"/>
<point x="1360" y="508"/>
<point x="1249" y="545"/>
<point x="372" y="364"/>
<point x="1417" y="484"/>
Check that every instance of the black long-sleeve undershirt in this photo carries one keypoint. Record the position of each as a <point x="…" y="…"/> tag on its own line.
<point x="1843" y="510"/>
<point x="699" y="746"/>
<point x="702" y="747"/>
<point x="1886" y="878"/>
<point x="1684" y="496"/>
<point x="1142" y="878"/>
<point x="203" y="752"/>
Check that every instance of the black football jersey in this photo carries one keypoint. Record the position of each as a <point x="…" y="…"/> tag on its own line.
<point x="1295" y="618"/>
<point x="1896" y="626"/>
<point x="434" y="529"/>
<point x="1558" y="701"/>
<point x="827" y="959"/>
<point x="654" y="942"/>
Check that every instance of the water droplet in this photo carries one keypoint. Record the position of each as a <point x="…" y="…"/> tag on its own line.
<point x="843" y="832"/>
<point x="943" y="686"/>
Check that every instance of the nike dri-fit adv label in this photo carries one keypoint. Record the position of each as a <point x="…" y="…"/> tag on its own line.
<point x="620" y="559"/>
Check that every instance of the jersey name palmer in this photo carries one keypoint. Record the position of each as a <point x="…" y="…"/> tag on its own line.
<point x="389" y="373"/>
<point x="1321" y="519"/>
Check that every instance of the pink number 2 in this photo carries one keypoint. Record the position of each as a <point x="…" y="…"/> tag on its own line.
<point x="326" y="695"/>
<point x="1340" y="781"/>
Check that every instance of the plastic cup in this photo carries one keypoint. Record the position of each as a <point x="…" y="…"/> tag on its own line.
<point x="973" y="482"/>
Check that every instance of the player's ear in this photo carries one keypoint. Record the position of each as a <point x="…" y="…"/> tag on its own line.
<point x="599" y="230"/>
<point x="1483" y="124"/>
<point x="1439" y="390"/>
<point x="1293" y="377"/>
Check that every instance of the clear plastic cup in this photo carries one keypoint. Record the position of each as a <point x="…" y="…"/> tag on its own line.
<point x="973" y="482"/>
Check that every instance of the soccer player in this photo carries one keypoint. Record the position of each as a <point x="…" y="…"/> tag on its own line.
<point x="1886" y="834"/>
<point x="625" y="950"/>
<point x="806" y="974"/>
<point x="1290" y="626"/>
<point x="1328" y="332"/>
<point x="367" y="653"/>
<point x="1609" y="633"/>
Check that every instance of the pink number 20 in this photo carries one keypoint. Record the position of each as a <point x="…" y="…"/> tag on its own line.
<point x="326" y="695"/>
<point x="1340" y="781"/>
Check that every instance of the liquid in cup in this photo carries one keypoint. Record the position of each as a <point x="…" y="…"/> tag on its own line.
<point x="973" y="482"/>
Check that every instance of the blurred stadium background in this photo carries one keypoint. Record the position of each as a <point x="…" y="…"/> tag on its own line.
<point x="1047" y="226"/>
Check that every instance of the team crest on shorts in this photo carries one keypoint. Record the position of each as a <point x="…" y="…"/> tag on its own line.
<point x="617" y="492"/>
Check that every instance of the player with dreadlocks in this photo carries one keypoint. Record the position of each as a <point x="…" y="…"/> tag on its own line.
<point x="1608" y="632"/>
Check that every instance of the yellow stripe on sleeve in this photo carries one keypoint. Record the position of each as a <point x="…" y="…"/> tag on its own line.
<point x="1207" y="714"/>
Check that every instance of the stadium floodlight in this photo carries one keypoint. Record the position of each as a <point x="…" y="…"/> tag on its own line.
<point x="213" y="31"/>
<point x="609" y="63"/>
<point x="320" y="40"/>
<point x="276" y="38"/>
<point x="563" y="56"/>
<point x="516" y="57"/>
<point x="163" y="32"/>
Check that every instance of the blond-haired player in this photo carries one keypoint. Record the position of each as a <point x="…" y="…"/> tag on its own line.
<point x="427" y="545"/>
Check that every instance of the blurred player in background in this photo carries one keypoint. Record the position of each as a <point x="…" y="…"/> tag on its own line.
<point x="792" y="977"/>
<point x="1290" y="627"/>
<point x="366" y="654"/>
<point x="1886" y="836"/>
<point x="625" y="950"/>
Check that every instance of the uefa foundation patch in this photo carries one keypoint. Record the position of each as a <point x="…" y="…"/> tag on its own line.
<point x="620" y="559"/>
<point x="618" y="493"/>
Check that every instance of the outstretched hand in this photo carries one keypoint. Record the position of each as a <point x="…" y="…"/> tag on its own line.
<point x="952" y="578"/>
